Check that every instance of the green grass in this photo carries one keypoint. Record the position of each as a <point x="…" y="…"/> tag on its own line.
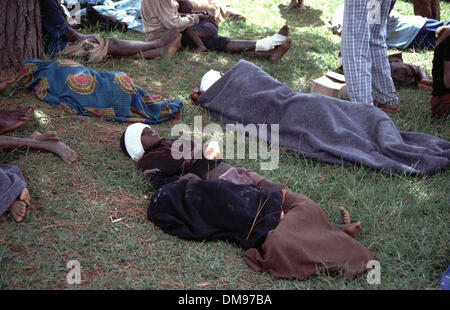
<point x="405" y="218"/>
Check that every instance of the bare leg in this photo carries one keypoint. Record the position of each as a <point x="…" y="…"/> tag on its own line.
<point x="193" y="35"/>
<point x="344" y="218"/>
<point x="13" y="119"/>
<point x="48" y="141"/>
<point x="18" y="210"/>
<point x="344" y="223"/>
<point x="169" y="50"/>
<point x="239" y="46"/>
<point x="118" y="48"/>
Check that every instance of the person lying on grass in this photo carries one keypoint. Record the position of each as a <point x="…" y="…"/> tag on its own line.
<point x="60" y="38"/>
<point x="162" y="16"/>
<point x="319" y="127"/>
<point x="282" y="232"/>
<point x="154" y="156"/>
<point x="214" y="200"/>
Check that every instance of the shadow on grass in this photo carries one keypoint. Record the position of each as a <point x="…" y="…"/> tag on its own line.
<point x="297" y="18"/>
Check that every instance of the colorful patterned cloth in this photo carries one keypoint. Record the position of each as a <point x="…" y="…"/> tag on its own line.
<point x="83" y="91"/>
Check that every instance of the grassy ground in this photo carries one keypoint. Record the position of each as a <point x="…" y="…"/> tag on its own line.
<point x="405" y="218"/>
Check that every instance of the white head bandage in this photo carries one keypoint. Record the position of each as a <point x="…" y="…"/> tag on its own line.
<point x="209" y="78"/>
<point x="269" y="43"/>
<point x="133" y="142"/>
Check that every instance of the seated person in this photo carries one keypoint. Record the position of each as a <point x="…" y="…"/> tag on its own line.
<point x="206" y="28"/>
<point x="14" y="195"/>
<point x="283" y="232"/>
<point x="161" y="16"/>
<point x="440" y="102"/>
<point x="60" y="38"/>
<point x="154" y="156"/>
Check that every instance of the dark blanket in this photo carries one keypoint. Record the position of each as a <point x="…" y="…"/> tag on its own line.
<point x="320" y="127"/>
<point x="12" y="184"/>
<point x="215" y="210"/>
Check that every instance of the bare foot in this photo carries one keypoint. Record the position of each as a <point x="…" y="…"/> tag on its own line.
<point x="25" y="197"/>
<point x="353" y="229"/>
<point x="47" y="136"/>
<point x="18" y="210"/>
<point x="344" y="218"/>
<point x="284" y="30"/>
<point x="48" y="141"/>
<point x="13" y="119"/>
<point x="279" y="51"/>
<point x="200" y="49"/>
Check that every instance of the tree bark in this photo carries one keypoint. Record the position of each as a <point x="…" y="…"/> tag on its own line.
<point x="20" y="34"/>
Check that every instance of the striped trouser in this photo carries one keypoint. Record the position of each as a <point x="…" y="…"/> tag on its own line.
<point x="364" y="52"/>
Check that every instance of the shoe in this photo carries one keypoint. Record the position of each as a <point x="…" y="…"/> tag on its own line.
<point x="389" y="108"/>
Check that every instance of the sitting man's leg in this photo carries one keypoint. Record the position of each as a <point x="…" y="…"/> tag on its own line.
<point x="166" y="44"/>
<point x="14" y="196"/>
<point x="92" y="48"/>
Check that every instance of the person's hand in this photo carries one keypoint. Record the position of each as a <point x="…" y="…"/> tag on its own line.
<point x="209" y="18"/>
<point x="195" y="93"/>
<point x="442" y="33"/>
<point x="425" y="84"/>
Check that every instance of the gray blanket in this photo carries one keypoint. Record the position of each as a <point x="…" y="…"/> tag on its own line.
<point x="320" y="127"/>
<point x="12" y="184"/>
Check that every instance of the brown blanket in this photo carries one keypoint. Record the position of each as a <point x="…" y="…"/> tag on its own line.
<point x="304" y="242"/>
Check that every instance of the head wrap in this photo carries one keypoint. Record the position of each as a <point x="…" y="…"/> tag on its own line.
<point x="133" y="142"/>
<point x="209" y="78"/>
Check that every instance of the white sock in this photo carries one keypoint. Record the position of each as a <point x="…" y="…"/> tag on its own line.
<point x="269" y="43"/>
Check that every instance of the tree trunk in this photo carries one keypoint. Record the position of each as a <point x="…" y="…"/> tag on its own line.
<point x="20" y="34"/>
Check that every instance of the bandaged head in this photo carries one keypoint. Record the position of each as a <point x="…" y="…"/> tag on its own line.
<point x="133" y="142"/>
